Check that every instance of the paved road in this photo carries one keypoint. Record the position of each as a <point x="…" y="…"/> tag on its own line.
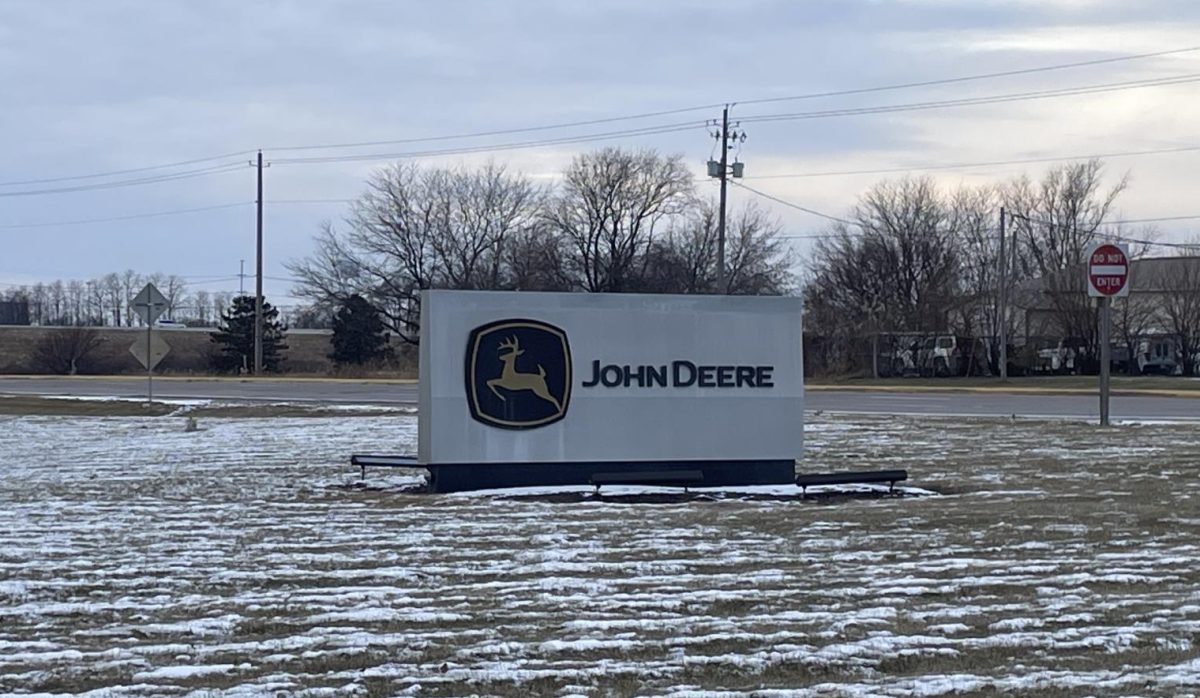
<point x="1001" y="404"/>
<point x="871" y="402"/>
<point x="200" y="389"/>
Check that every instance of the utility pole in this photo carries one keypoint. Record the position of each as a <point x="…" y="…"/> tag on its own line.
<point x="242" y="278"/>
<point x="721" y="287"/>
<point x="1003" y="303"/>
<point x="722" y="170"/>
<point x="258" y="297"/>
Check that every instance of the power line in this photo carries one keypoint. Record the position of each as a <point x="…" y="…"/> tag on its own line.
<point x="219" y="169"/>
<point x="975" y="101"/>
<point x="135" y="216"/>
<point x="113" y="173"/>
<point x="311" y="201"/>
<point x="705" y="107"/>
<point x="644" y="115"/>
<point x="157" y="214"/>
<point x="971" y="78"/>
<point x="1155" y="243"/>
<point x="1124" y="221"/>
<point x="990" y="163"/>
<point x="798" y="207"/>
<point x="646" y="131"/>
<point x="672" y="128"/>
<point x="1162" y="219"/>
<point x="497" y="132"/>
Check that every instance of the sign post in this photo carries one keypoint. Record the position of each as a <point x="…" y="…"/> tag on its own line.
<point x="1107" y="278"/>
<point x="149" y="305"/>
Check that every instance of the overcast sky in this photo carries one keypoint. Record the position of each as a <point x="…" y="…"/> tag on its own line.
<point x="93" y="87"/>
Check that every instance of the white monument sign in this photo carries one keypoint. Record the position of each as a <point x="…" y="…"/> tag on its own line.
<point x="519" y="377"/>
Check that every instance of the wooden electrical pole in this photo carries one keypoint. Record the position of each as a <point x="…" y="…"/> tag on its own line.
<point x="1003" y="302"/>
<point x="722" y="170"/>
<point x="258" y="293"/>
<point x="721" y="281"/>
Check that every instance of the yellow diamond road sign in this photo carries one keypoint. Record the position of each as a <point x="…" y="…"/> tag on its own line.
<point x="158" y="349"/>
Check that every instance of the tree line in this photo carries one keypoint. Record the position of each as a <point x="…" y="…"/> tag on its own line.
<point x="617" y="220"/>
<point x="358" y="339"/>
<point x="105" y="301"/>
<point x="911" y="257"/>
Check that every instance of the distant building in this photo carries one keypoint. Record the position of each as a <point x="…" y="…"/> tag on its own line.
<point x="14" y="312"/>
<point x="1152" y="280"/>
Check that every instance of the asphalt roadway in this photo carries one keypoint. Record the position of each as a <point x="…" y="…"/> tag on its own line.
<point x="862" y="401"/>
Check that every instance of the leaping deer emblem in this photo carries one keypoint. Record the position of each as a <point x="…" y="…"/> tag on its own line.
<point x="513" y="380"/>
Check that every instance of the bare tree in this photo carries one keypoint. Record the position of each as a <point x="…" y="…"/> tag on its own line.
<point x="95" y="303"/>
<point x="113" y="297"/>
<point x="66" y="351"/>
<point x="1060" y="217"/>
<point x="899" y="260"/>
<point x="486" y="209"/>
<point x="417" y="229"/>
<point x="333" y="271"/>
<point x="203" y="302"/>
<point x="685" y="260"/>
<point x="174" y="289"/>
<point x="1056" y="221"/>
<point x="536" y="261"/>
<point x="614" y="224"/>
<point x="1133" y="317"/>
<point x="220" y="303"/>
<point x="59" y="304"/>
<point x="1180" y="307"/>
<point x="76" y="302"/>
<point x="607" y="209"/>
<point x="39" y="299"/>
<point x="131" y="283"/>
<point x="972" y="216"/>
<point x="757" y="259"/>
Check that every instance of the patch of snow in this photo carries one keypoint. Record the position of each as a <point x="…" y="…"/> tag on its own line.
<point x="186" y="672"/>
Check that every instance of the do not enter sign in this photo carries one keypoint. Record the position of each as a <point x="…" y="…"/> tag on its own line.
<point x="1108" y="271"/>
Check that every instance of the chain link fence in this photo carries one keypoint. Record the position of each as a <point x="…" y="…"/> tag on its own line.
<point x="934" y="355"/>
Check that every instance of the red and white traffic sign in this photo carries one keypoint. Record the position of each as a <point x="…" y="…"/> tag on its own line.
<point x="1108" y="271"/>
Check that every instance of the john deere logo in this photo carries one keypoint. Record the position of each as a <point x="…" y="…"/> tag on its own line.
<point x="518" y="374"/>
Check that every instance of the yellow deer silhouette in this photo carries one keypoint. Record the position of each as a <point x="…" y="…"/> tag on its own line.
<point x="511" y="379"/>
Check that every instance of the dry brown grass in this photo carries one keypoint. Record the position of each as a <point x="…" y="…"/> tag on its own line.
<point x="1062" y="562"/>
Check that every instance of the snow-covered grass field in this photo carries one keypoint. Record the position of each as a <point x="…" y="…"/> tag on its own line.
<point x="140" y="559"/>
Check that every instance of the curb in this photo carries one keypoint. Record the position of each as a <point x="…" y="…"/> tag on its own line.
<point x="218" y="379"/>
<point x="1010" y="390"/>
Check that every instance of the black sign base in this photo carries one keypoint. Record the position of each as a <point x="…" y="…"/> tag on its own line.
<point x="471" y="476"/>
